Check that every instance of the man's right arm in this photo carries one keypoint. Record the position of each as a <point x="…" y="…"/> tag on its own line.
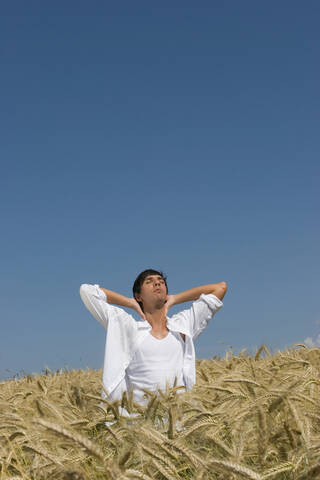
<point x="118" y="299"/>
<point x="98" y="301"/>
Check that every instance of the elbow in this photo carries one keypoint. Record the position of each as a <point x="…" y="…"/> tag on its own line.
<point x="223" y="286"/>
<point x="220" y="290"/>
<point x="83" y="290"/>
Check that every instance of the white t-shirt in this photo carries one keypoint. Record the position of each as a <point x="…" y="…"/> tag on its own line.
<point x="156" y="364"/>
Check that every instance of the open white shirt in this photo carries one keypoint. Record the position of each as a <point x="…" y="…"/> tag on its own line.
<point x="125" y="335"/>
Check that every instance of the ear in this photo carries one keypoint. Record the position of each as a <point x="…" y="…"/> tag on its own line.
<point x="137" y="297"/>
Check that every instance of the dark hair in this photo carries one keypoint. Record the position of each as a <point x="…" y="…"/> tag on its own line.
<point x="141" y="278"/>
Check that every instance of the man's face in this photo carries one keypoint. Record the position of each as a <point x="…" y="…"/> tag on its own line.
<point x="153" y="291"/>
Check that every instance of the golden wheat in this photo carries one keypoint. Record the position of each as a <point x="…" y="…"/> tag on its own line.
<point x="254" y="417"/>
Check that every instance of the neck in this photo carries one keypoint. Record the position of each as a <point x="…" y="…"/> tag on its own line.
<point x="157" y="318"/>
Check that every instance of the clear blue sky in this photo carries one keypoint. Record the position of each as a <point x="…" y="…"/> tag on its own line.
<point x="182" y="136"/>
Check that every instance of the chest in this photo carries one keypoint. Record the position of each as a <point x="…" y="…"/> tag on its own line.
<point x="160" y="351"/>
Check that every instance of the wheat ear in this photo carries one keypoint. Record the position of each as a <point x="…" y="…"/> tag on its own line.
<point x="169" y="475"/>
<point x="235" y="468"/>
<point x="80" y="439"/>
<point x="312" y="472"/>
<point x="43" y="453"/>
<point x="283" y="467"/>
<point x="136" y="474"/>
<point x="196" y="426"/>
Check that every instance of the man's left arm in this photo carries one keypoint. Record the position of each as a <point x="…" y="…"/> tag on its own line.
<point x="217" y="289"/>
<point x="197" y="317"/>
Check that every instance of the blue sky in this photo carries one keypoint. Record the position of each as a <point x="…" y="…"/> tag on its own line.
<point x="176" y="135"/>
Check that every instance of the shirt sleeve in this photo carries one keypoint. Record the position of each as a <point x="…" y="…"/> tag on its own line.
<point x="198" y="316"/>
<point x="96" y="302"/>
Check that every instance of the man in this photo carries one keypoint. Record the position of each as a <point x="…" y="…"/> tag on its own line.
<point x="158" y="350"/>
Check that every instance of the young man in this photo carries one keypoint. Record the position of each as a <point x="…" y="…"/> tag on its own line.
<point x="158" y="350"/>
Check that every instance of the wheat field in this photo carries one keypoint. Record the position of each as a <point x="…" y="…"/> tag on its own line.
<point x="248" y="417"/>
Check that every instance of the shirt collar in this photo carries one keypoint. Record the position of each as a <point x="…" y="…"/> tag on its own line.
<point x="145" y="325"/>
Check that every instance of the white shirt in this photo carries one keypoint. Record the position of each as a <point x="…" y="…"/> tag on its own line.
<point x="125" y="335"/>
<point x="156" y="363"/>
